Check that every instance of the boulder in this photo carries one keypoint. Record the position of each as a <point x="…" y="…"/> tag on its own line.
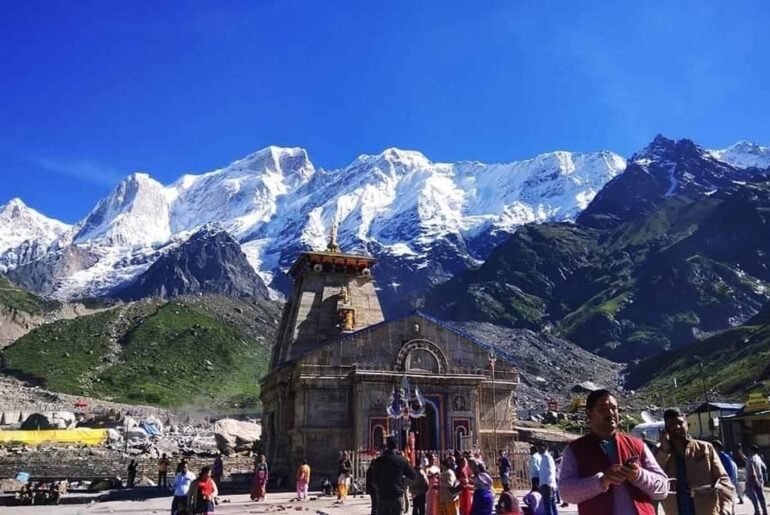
<point x="63" y="419"/>
<point x="236" y="435"/>
<point x="145" y="481"/>
<point x="136" y="436"/>
<point x="129" y="422"/>
<point x="167" y="445"/>
<point x="114" y="437"/>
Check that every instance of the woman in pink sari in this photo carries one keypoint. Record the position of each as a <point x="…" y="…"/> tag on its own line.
<point x="261" y="475"/>
<point x="465" y="478"/>
<point x="431" y="499"/>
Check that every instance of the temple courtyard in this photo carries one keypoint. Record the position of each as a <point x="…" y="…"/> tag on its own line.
<point x="276" y="503"/>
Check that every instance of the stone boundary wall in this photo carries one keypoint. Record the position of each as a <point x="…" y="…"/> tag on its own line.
<point x="79" y="466"/>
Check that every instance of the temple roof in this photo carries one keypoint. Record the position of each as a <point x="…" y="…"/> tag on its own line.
<point x="332" y="258"/>
<point x="506" y="356"/>
<point x="500" y="353"/>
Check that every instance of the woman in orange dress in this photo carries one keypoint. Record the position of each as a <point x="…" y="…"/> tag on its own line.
<point x="465" y="478"/>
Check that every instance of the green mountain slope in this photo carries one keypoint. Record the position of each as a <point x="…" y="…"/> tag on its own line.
<point x="736" y="361"/>
<point x="15" y="298"/>
<point x="191" y="351"/>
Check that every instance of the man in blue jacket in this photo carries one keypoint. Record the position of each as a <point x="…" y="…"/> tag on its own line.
<point x="728" y="464"/>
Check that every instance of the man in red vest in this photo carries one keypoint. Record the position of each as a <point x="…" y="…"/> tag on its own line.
<point x="608" y="472"/>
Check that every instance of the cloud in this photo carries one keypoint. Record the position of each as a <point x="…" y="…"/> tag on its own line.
<point x="84" y="169"/>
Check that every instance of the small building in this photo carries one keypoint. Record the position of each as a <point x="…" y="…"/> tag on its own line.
<point x="704" y="420"/>
<point x="337" y="361"/>
<point x="750" y="426"/>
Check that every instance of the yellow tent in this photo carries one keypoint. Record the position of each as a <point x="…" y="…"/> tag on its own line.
<point x="80" y="435"/>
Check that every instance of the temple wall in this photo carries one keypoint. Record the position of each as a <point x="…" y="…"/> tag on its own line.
<point x="335" y="397"/>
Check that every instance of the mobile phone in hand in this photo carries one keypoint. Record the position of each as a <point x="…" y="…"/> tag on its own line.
<point x="630" y="462"/>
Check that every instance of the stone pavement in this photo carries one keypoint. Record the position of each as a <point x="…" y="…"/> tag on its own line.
<point x="277" y="504"/>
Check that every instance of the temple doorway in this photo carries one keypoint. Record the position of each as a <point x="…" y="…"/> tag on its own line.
<point x="426" y="429"/>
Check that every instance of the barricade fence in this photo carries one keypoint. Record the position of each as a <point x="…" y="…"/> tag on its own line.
<point x="519" y="458"/>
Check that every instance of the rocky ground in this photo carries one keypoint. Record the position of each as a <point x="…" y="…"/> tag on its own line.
<point x="550" y="367"/>
<point x="19" y="398"/>
<point x="15" y="323"/>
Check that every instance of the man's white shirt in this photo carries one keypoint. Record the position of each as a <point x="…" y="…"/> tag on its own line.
<point x="547" y="470"/>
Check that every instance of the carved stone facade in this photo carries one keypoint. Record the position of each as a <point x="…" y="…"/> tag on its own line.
<point x="328" y="387"/>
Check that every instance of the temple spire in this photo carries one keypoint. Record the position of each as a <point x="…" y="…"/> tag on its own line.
<point x="332" y="246"/>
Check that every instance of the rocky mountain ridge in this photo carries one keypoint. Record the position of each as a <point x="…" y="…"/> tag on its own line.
<point x="211" y="261"/>
<point x="668" y="252"/>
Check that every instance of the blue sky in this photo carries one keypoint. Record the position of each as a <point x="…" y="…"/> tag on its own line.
<point x="93" y="90"/>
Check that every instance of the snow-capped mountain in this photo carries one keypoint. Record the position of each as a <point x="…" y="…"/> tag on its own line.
<point x="25" y="234"/>
<point x="135" y="213"/>
<point x="242" y="195"/>
<point x="663" y="169"/>
<point x="744" y="154"/>
<point x="425" y="221"/>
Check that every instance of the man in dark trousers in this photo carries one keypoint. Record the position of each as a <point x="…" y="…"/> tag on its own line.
<point x="504" y="467"/>
<point x="388" y="475"/>
<point x="370" y="489"/>
<point x="131" y="474"/>
<point x="163" y="465"/>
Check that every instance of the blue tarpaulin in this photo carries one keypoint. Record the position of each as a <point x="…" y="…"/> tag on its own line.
<point x="150" y="428"/>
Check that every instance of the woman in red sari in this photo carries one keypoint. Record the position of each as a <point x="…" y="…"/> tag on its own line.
<point x="465" y="477"/>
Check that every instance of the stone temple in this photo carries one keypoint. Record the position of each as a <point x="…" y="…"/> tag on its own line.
<point x="337" y="361"/>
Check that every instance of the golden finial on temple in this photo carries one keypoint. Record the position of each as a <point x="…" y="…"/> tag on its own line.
<point x="332" y="246"/>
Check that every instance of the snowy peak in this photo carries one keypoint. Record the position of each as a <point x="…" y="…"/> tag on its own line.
<point x="404" y="203"/>
<point x="665" y="168"/>
<point x="662" y="148"/>
<point x="20" y="223"/>
<point x="293" y="164"/>
<point x="424" y="220"/>
<point x="14" y="204"/>
<point x="135" y="213"/>
<point x="744" y="154"/>
<point x="242" y="195"/>
<point x="396" y="157"/>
